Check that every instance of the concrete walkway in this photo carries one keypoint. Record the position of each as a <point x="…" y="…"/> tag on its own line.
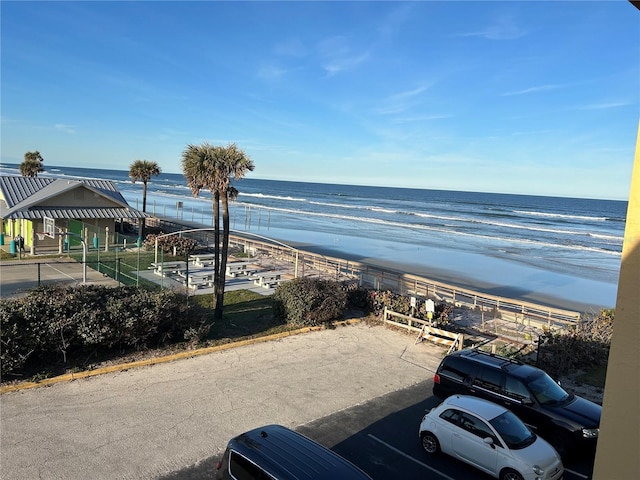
<point x="146" y="422"/>
<point x="18" y="276"/>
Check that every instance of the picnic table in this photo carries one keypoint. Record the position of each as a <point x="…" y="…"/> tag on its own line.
<point x="162" y="268"/>
<point x="204" y="260"/>
<point x="240" y="268"/>
<point x="200" y="279"/>
<point x="268" y="279"/>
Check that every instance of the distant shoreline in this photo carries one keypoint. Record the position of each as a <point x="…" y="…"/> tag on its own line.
<point x="452" y="277"/>
<point x="437" y="274"/>
<point x="550" y="282"/>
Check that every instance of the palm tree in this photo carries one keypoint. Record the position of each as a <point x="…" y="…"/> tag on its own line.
<point x="32" y="164"/>
<point x="143" y="170"/>
<point x="208" y="167"/>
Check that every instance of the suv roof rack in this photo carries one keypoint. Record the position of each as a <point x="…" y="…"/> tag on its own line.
<point x="493" y="359"/>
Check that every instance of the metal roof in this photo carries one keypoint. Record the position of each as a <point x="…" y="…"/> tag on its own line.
<point x="77" y="213"/>
<point x="23" y="197"/>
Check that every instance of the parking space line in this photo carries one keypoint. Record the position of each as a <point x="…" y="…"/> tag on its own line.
<point x="410" y="457"/>
<point x="581" y="475"/>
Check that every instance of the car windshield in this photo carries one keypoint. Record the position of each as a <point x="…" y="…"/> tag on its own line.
<point x="514" y="433"/>
<point x="546" y="391"/>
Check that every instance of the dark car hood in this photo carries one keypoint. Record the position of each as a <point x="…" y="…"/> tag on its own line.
<point x="581" y="410"/>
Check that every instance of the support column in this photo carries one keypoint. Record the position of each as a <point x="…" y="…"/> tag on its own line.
<point x="619" y="442"/>
<point x="33" y="240"/>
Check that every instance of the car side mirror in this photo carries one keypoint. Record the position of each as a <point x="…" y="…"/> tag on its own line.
<point x="527" y="401"/>
<point x="489" y="441"/>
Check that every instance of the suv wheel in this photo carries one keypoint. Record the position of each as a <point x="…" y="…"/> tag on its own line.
<point x="430" y="443"/>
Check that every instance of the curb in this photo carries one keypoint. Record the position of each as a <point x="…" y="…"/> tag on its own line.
<point x="69" y="377"/>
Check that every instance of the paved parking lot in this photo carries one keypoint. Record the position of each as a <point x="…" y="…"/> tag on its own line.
<point x="148" y="422"/>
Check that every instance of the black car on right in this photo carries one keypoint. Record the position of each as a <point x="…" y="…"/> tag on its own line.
<point x="569" y="422"/>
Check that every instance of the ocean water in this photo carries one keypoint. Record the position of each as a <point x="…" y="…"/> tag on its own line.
<point x="563" y="251"/>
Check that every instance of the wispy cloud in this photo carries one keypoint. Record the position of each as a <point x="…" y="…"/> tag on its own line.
<point x="270" y="72"/>
<point x="338" y="65"/>
<point x="339" y="56"/>
<point x="503" y="28"/>
<point x="284" y="51"/>
<point x="65" y="128"/>
<point x="421" y="118"/>
<point x="540" y="88"/>
<point x="602" y="106"/>
<point x="402" y="101"/>
<point x="395" y="20"/>
<point x="411" y="93"/>
<point x="291" y="48"/>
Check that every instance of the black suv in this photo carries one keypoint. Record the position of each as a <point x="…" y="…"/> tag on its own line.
<point x="570" y="423"/>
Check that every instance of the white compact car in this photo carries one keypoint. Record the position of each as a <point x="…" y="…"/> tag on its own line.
<point x="490" y="438"/>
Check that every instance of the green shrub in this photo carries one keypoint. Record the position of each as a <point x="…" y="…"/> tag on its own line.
<point x="182" y="245"/>
<point x="15" y="337"/>
<point x="53" y="323"/>
<point x="582" y="347"/>
<point x="358" y="297"/>
<point x="309" y="301"/>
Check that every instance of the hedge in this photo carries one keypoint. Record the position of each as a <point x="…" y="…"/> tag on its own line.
<point x="54" y="323"/>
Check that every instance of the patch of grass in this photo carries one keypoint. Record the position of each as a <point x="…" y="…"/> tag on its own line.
<point x="128" y="260"/>
<point x="594" y="377"/>
<point x="245" y="313"/>
<point x="126" y="263"/>
<point x="38" y="377"/>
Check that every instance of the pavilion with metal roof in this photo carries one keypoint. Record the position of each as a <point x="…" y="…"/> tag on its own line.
<point x="82" y="207"/>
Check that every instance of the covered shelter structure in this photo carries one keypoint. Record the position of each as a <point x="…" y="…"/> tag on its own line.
<point x="87" y="209"/>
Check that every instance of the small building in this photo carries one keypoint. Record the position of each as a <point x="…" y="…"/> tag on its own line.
<point x="91" y="209"/>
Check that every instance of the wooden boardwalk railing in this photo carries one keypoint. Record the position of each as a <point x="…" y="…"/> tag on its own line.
<point x="378" y="278"/>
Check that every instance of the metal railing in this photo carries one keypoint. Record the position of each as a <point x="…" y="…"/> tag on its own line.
<point x="379" y="278"/>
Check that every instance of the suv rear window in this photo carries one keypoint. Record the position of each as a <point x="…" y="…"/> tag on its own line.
<point x="456" y="368"/>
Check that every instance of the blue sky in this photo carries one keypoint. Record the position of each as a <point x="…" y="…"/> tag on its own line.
<point x="513" y="97"/>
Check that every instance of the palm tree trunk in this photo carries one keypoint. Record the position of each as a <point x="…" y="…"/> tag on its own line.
<point x="143" y="220"/>
<point x="223" y="257"/>
<point x="217" y="271"/>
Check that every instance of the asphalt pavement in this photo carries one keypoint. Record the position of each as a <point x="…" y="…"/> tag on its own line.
<point x="147" y="422"/>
